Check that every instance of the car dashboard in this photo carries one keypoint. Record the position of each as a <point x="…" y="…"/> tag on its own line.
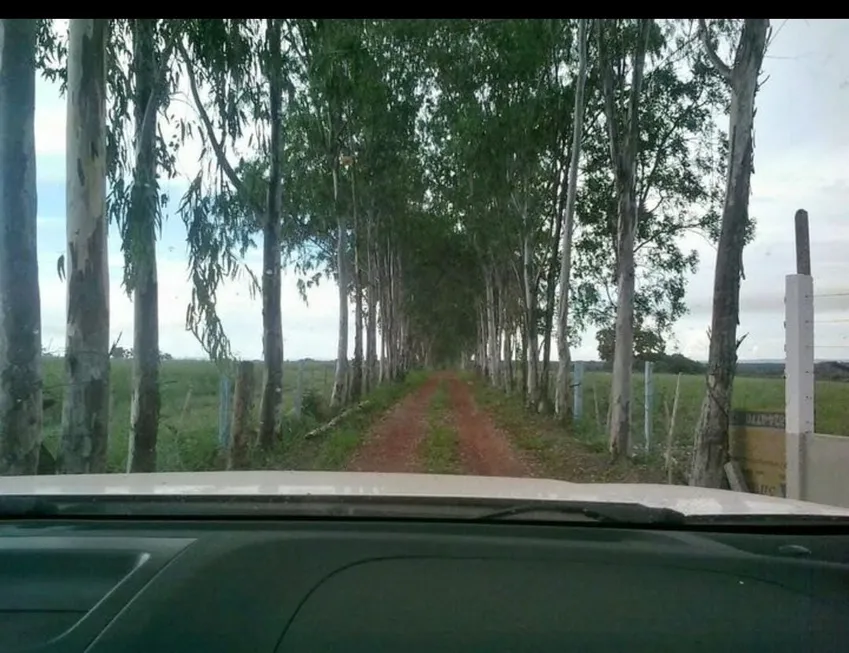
<point x="280" y="586"/>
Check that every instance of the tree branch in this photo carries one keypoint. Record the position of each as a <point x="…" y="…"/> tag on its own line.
<point x="606" y="73"/>
<point x="147" y="129"/>
<point x="720" y="66"/>
<point x="217" y="147"/>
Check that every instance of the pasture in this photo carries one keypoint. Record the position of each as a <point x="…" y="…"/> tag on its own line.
<point x="188" y="435"/>
<point x="750" y="393"/>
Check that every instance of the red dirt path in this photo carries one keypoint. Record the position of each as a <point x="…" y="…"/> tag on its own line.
<point x="484" y="450"/>
<point x="393" y="445"/>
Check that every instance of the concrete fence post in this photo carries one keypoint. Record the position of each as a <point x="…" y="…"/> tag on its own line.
<point x="577" y="390"/>
<point x="799" y="378"/>
<point x="224" y="408"/>
<point x="799" y="362"/>
<point x="648" y="413"/>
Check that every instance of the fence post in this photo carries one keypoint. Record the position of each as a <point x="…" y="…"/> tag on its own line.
<point x="799" y="362"/>
<point x="224" y="412"/>
<point x="577" y="390"/>
<point x="324" y="386"/>
<point x="243" y="399"/>
<point x="648" y="413"/>
<point x="299" y="389"/>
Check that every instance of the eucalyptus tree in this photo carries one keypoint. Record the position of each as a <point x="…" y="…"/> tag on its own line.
<point x="137" y="209"/>
<point x="85" y="411"/>
<point x="676" y="173"/>
<point x="355" y="110"/>
<point x="241" y="62"/>
<point x="711" y="448"/>
<point x="329" y="45"/>
<point x="386" y="97"/>
<point x="20" y="307"/>
<point x="562" y="401"/>
<point x="623" y="127"/>
<point x="494" y="130"/>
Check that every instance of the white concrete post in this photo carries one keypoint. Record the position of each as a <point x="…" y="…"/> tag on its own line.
<point x="648" y="413"/>
<point x="577" y="390"/>
<point x="799" y="378"/>
<point x="299" y="390"/>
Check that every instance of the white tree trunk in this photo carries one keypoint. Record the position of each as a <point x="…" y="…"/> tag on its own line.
<point x="20" y="304"/>
<point x="144" y="411"/>
<point x="340" y="379"/>
<point x="563" y="389"/>
<point x="623" y="353"/>
<point x="711" y="437"/>
<point x="85" y="412"/>
<point x="357" y="367"/>
<point x="271" y="405"/>
<point x="530" y="322"/>
<point x="491" y="338"/>
<point x="371" y="308"/>
<point x="624" y="147"/>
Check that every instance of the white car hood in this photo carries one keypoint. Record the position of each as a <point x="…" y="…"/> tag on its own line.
<point x="687" y="500"/>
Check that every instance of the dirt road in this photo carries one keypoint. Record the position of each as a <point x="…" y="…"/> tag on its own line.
<point x="395" y="444"/>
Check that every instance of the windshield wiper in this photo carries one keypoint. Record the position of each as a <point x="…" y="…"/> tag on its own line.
<point x="609" y="513"/>
<point x="275" y="507"/>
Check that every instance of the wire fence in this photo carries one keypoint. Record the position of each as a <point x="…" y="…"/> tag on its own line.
<point x="658" y="418"/>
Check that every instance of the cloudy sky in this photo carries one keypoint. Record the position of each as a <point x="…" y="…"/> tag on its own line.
<point x="801" y="161"/>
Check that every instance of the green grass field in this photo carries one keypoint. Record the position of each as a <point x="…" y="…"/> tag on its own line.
<point x="750" y="393"/>
<point x="188" y="433"/>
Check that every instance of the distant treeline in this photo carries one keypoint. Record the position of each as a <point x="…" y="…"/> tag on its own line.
<point x="675" y="363"/>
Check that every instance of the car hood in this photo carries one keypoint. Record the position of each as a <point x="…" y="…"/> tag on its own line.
<point x="686" y="500"/>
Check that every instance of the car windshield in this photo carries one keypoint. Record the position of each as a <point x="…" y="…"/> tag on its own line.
<point x="574" y="256"/>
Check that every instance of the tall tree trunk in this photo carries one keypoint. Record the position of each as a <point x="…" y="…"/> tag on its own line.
<point x="272" y="319"/>
<point x="482" y="358"/>
<point x="140" y="248"/>
<point x="357" y="367"/>
<point x="491" y="338"/>
<point x="398" y="320"/>
<point x="623" y="154"/>
<point x="711" y="438"/>
<point x="384" y="334"/>
<point x="548" y="326"/>
<point x="85" y="412"/>
<point x="387" y="336"/>
<point x="530" y="322"/>
<point x="563" y="390"/>
<point x="504" y="348"/>
<point x="371" y="307"/>
<point x="523" y="332"/>
<point x="340" y="379"/>
<point x="20" y="302"/>
<point x="508" y="340"/>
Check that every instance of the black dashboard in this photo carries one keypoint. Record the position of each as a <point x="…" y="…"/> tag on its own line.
<point x="281" y="586"/>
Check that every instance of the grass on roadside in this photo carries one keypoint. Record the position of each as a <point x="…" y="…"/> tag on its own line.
<point x="579" y="457"/>
<point x="188" y="423"/>
<point x="332" y="449"/>
<point x="440" y="450"/>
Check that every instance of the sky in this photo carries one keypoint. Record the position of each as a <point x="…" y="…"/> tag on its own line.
<point x="801" y="161"/>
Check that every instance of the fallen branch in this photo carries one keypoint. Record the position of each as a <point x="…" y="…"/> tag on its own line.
<point x="329" y="425"/>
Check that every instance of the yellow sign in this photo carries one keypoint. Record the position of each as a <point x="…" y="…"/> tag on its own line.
<point x="757" y="445"/>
